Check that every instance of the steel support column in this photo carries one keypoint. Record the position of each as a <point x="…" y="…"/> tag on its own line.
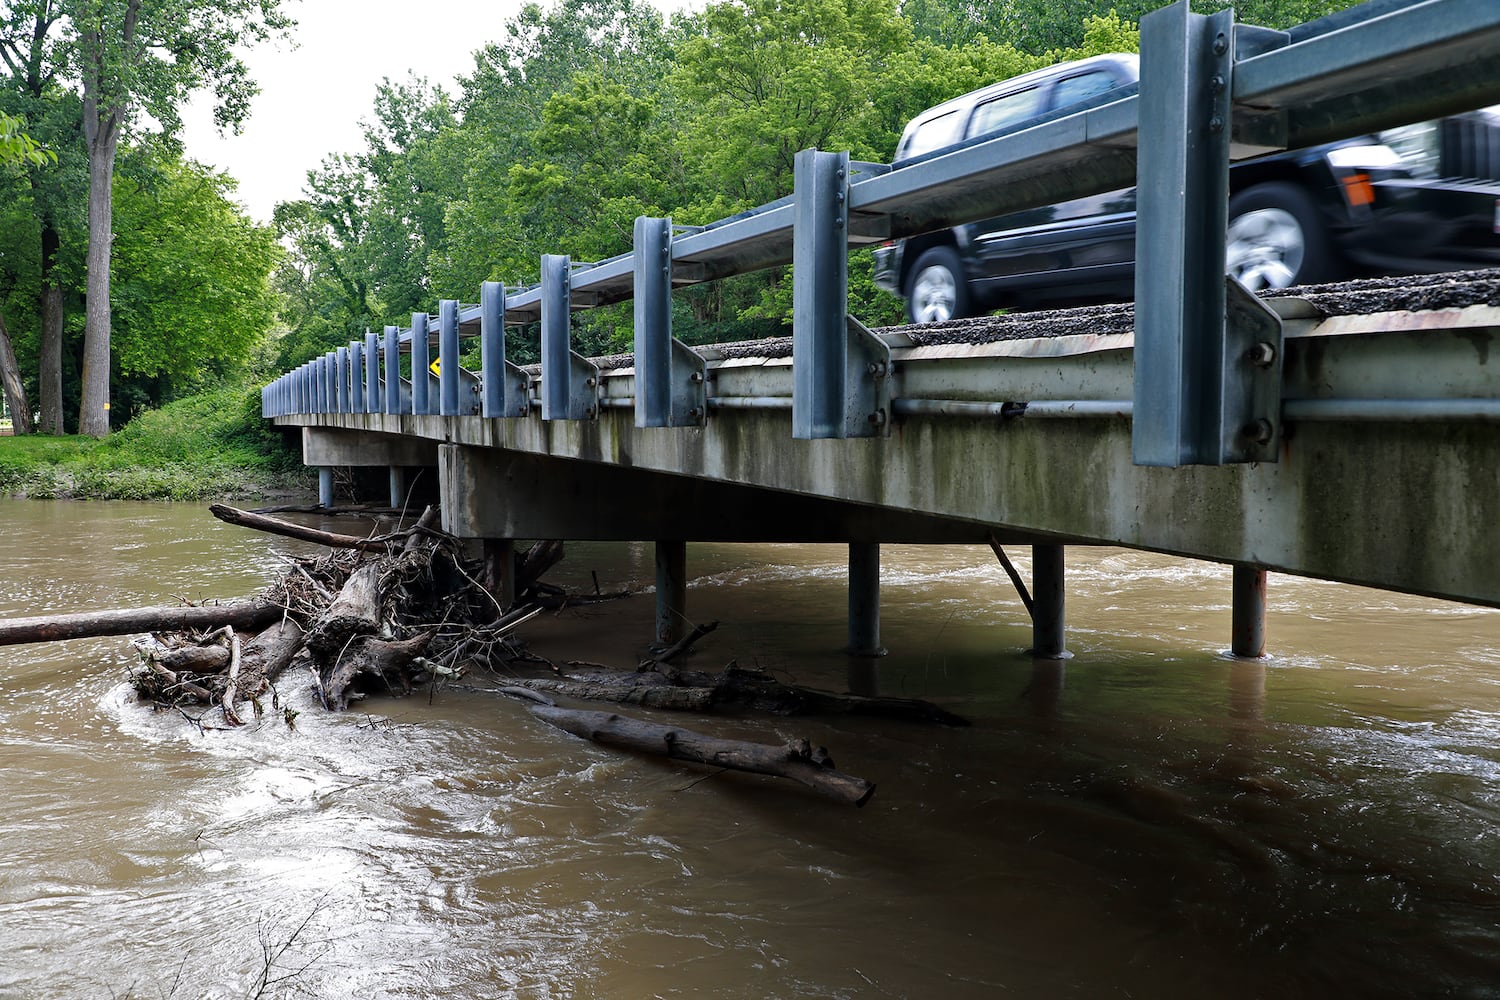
<point x="864" y="599"/>
<point x="1048" y="621"/>
<point x="325" y="487"/>
<point x="671" y="591"/>
<point x="1248" y="619"/>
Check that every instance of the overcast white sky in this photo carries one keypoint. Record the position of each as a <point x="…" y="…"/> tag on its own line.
<point x="313" y="96"/>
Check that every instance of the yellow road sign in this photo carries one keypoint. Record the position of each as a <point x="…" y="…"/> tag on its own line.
<point x="434" y="368"/>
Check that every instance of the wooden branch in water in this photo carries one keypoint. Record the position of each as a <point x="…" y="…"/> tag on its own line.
<point x="1010" y="571"/>
<point x="277" y="526"/>
<point x="797" y="760"/>
<point x="245" y="615"/>
<point x="680" y="646"/>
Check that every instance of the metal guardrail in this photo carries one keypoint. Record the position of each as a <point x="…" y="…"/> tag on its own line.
<point x="1211" y="91"/>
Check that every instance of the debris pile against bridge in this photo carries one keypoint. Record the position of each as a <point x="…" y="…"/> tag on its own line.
<point x="379" y="616"/>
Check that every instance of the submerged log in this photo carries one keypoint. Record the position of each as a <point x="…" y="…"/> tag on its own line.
<point x="246" y="615"/>
<point x="734" y="690"/>
<point x="797" y="760"/>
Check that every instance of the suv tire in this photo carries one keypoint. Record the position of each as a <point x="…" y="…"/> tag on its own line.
<point x="937" y="289"/>
<point x="1277" y="238"/>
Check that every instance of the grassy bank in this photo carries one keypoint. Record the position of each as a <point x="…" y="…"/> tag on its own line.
<point x="210" y="446"/>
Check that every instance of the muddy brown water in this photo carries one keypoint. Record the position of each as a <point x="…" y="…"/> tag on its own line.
<point x="1150" y="819"/>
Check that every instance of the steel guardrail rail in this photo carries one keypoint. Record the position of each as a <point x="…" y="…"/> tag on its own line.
<point x="1382" y="63"/>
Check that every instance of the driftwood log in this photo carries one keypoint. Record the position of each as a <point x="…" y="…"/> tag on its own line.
<point x="798" y="760"/>
<point x="288" y="529"/>
<point x="242" y="615"/>
<point x="735" y="689"/>
<point x="367" y="656"/>
<point x="354" y="612"/>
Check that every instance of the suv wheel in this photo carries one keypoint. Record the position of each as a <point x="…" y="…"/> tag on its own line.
<point x="1276" y="238"/>
<point x="937" y="290"/>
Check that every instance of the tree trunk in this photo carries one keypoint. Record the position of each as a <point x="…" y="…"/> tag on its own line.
<point x="10" y="380"/>
<point x="49" y="350"/>
<point x="355" y="612"/>
<point x="129" y="621"/>
<point x="101" y="132"/>
<point x="797" y="760"/>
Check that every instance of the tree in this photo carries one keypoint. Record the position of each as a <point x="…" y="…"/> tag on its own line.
<point x="1042" y="26"/>
<point x="147" y="56"/>
<point x="191" y="278"/>
<point x="34" y="56"/>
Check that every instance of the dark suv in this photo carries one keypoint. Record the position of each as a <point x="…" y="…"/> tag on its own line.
<point x="1419" y="199"/>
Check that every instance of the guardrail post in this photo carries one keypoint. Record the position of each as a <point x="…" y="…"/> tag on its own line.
<point x="448" y="357"/>
<point x="421" y="398"/>
<point x="341" y="379"/>
<point x="1207" y="352"/>
<point x="506" y="387"/>
<point x="840" y="371"/>
<point x="356" y="376"/>
<point x="392" y="369"/>
<point x="570" y="382"/>
<point x="671" y="379"/>
<point x="372" y="372"/>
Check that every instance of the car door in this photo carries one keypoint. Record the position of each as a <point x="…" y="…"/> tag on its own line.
<point x="1084" y="235"/>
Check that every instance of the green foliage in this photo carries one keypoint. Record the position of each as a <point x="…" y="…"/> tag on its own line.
<point x="191" y="287"/>
<point x="211" y="445"/>
<point x="16" y="147"/>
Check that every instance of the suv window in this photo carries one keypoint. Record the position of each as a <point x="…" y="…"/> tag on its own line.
<point x="934" y="133"/>
<point x="992" y="116"/>
<point x="1081" y="87"/>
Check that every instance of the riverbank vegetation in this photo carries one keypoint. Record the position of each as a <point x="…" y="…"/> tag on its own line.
<point x="211" y="445"/>
<point x="582" y="115"/>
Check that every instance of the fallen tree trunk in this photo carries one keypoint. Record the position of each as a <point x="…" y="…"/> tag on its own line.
<point x="287" y="529"/>
<point x="245" y="615"/>
<point x="798" y="760"/>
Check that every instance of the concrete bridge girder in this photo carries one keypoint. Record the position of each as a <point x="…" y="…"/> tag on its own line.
<point x="1405" y="505"/>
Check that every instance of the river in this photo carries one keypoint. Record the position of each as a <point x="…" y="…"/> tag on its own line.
<point x="1147" y="819"/>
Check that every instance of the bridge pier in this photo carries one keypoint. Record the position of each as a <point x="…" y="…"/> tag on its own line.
<point x="499" y="559"/>
<point x="864" y="599"/>
<point x="398" y="486"/>
<point x="325" y="486"/>
<point x="1048" y="623"/>
<point x="671" y="591"/>
<point x="1248" y="618"/>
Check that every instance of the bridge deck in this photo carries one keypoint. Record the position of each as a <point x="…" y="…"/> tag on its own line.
<point x="1388" y="475"/>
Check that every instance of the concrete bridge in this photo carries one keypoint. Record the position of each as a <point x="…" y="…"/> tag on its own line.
<point x="1388" y="472"/>
<point x="1354" y="443"/>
